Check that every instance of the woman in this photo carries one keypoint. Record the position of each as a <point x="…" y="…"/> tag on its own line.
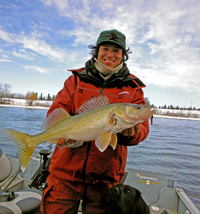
<point x="85" y="173"/>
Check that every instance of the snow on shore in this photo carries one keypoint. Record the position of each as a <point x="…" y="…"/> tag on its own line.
<point x="25" y="106"/>
<point x="178" y="113"/>
<point x="176" y="117"/>
<point x="44" y="104"/>
<point x="40" y="104"/>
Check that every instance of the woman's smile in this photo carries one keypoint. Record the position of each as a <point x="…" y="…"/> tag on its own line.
<point x="110" y="56"/>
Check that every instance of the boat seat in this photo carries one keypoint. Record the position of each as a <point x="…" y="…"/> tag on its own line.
<point x="149" y="183"/>
<point x="5" y="166"/>
<point x="167" y="203"/>
<point x="20" y="201"/>
<point x="23" y="201"/>
<point x="173" y="201"/>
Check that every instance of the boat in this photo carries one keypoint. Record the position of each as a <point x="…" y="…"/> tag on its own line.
<point x="20" y="195"/>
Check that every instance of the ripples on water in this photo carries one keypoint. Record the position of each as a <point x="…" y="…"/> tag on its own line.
<point x="172" y="146"/>
<point x="20" y="119"/>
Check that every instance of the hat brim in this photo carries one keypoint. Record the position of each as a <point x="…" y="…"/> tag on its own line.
<point x="111" y="41"/>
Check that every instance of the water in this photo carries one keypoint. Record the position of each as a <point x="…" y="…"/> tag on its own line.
<point x="172" y="146"/>
<point x="21" y="119"/>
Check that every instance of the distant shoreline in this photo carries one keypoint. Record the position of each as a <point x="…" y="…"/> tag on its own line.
<point x="180" y="118"/>
<point x="46" y="108"/>
<point x="18" y="106"/>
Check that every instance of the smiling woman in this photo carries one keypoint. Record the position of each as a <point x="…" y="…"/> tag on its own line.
<point x="110" y="55"/>
<point x="85" y="173"/>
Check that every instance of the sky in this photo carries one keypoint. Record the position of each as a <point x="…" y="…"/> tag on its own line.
<point x="41" y="39"/>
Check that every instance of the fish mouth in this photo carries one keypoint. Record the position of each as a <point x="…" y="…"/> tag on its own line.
<point x="143" y="115"/>
<point x="147" y="112"/>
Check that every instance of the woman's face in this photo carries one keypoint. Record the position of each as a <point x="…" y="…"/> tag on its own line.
<point x="110" y="55"/>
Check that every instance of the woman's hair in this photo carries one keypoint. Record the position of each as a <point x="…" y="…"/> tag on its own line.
<point x="95" y="50"/>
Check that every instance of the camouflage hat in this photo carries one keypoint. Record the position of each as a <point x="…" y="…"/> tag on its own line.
<point x="112" y="36"/>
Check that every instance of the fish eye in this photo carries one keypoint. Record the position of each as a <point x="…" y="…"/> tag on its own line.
<point x="138" y="107"/>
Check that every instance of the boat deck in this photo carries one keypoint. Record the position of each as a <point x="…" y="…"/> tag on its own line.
<point x="157" y="190"/>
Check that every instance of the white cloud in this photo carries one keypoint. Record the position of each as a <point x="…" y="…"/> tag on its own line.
<point x="82" y="37"/>
<point x="38" y="69"/>
<point x="90" y="17"/>
<point x="41" y="47"/>
<point x="61" y="5"/>
<point x="164" y="37"/>
<point x="5" y="36"/>
<point x="170" y="54"/>
<point x="5" y="60"/>
<point x="35" y="44"/>
<point x="23" y="54"/>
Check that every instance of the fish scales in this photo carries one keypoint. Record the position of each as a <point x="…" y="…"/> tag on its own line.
<point x="100" y="122"/>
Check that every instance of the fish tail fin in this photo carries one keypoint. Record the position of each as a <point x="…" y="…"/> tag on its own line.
<point x="23" y="142"/>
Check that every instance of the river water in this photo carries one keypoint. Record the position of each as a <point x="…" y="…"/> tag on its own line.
<point x="172" y="146"/>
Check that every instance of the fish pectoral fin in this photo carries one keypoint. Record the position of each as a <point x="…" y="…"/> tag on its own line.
<point x="57" y="115"/>
<point x="113" y="141"/>
<point x="115" y="124"/>
<point x="112" y="122"/>
<point x="103" y="141"/>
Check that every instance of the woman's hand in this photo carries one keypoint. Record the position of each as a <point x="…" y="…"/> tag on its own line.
<point x="131" y="131"/>
<point x="62" y="142"/>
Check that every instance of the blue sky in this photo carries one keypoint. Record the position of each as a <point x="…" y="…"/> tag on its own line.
<point x="41" y="39"/>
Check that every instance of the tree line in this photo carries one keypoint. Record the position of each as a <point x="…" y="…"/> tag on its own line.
<point x="30" y="96"/>
<point x="176" y="107"/>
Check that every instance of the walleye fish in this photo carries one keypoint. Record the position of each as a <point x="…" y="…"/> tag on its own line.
<point x="96" y="120"/>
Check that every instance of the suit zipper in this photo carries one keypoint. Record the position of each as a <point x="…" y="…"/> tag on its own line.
<point x="85" y="162"/>
<point x="84" y="170"/>
<point x="102" y="87"/>
<point x="120" y="158"/>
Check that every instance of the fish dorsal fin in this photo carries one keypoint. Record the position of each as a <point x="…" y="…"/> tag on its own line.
<point x="57" y="115"/>
<point x="93" y="104"/>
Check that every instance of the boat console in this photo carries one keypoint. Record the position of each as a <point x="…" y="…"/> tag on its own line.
<point x="159" y="193"/>
<point x="17" y="198"/>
